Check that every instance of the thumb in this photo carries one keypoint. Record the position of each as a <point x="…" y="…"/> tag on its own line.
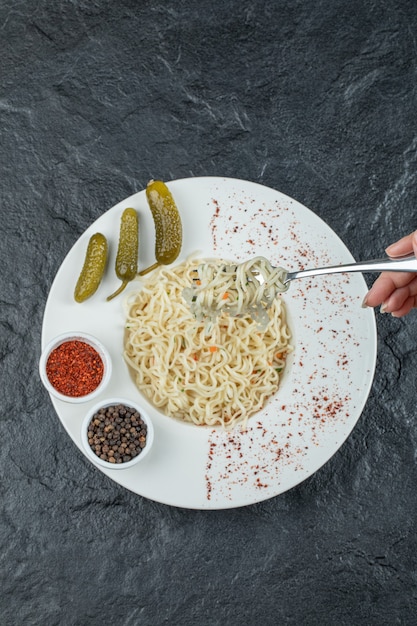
<point x="402" y="246"/>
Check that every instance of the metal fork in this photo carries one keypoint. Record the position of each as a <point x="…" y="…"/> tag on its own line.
<point x="399" y="264"/>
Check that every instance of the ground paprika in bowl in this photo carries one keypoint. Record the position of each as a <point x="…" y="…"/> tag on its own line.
<point x="75" y="367"/>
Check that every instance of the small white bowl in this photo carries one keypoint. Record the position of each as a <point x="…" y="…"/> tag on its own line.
<point x="114" y="402"/>
<point x="89" y="340"/>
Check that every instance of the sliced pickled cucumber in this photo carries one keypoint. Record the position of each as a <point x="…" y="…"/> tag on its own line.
<point x="93" y="268"/>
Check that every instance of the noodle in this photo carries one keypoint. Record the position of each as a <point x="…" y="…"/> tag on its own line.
<point x="220" y="378"/>
<point x="235" y="289"/>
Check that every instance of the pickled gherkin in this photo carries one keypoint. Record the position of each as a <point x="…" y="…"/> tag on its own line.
<point x="168" y="226"/>
<point x="93" y="268"/>
<point x="127" y="251"/>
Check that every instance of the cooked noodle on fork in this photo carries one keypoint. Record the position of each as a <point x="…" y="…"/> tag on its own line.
<point x="235" y="289"/>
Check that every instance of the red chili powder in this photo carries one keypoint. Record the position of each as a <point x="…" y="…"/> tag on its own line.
<point x="74" y="368"/>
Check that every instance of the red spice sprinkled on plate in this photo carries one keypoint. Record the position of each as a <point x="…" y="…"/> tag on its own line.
<point x="74" y="368"/>
<point x="213" y="224"/>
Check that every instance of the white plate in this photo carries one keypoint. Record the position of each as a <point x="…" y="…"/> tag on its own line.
<point x="325" y="387"/>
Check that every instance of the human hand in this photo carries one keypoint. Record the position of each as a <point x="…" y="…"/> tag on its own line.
<point x="396" y="292"/>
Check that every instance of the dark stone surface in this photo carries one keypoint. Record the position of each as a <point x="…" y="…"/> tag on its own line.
<point x="316" y="99"/>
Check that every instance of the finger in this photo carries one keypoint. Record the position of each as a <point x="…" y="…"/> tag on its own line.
<point x="385" y="285"/>
<point x="409" y="304"/>
<point x="402" y="246"/>
<point x="380" y="291"/>
<point x="398" y="298"/>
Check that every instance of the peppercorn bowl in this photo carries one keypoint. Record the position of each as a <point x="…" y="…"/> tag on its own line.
<point x="75" y="367"/>
<point x="117" y="433"/>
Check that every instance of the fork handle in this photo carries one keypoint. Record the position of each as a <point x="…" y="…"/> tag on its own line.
<point x="401" y="264"/>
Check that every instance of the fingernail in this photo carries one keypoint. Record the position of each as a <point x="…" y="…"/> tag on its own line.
<point x="365" y="302"/>
<point x="383" y="308"/>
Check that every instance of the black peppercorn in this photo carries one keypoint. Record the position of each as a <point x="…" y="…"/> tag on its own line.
<point x="117" y="434"/>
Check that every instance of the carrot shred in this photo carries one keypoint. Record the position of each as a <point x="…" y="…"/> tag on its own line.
<point x="213" y="348"/>
<point x="225" y="295"/>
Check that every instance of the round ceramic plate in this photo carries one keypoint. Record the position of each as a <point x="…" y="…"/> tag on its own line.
<point x="326" y="382"/>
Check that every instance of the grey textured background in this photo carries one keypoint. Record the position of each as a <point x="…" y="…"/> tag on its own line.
<point x="316" y="99"/>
